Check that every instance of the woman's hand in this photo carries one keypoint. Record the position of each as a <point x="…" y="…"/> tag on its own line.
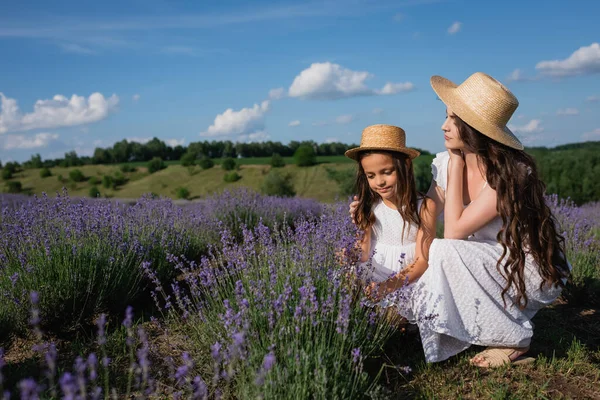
<point x="457" y="157"/>
<point x="353" y="207"/>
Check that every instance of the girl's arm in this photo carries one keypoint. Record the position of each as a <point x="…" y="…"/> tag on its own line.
<point x="365" y="245"/>
<point x="460" y="222"/>
<point x="425" y="236"/>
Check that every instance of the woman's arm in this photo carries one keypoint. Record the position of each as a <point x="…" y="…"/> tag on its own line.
<point x="460" y="222"/>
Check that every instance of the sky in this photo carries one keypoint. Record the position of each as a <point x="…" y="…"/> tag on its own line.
<point x="76" y="75"/>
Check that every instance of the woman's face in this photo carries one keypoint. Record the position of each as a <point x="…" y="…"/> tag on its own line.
<point x="451" y="134"/>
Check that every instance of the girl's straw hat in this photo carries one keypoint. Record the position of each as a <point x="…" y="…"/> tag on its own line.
<point x="482" y="102"/>
<point x="382" y="137"/>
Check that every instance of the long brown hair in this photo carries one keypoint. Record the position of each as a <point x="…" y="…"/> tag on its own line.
<point x="528" y="225"/>
<point x="406" y="191"/>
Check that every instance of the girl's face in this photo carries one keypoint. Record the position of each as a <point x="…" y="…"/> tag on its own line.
<point x="451" y="134"/>
<point x="381" y="174"/>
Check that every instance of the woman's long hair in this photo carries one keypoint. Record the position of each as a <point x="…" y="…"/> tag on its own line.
<point x="406" y="192"/>
<point x="528" y="225"/>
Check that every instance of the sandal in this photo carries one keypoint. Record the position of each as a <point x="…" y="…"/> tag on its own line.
<point x="498" y="356"/>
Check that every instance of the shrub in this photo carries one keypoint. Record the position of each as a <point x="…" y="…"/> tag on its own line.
<point x="277" y="161"/>
<point x="232" y="176"/>
<point x="187" y="159"/>
<point x="94" y="192"/>
<point x="14" y="187"/>
<point x="276" y="184"/>
<point x="118" y="180"/>
<point x="206" y="163"/>
<point x="76" y="175"/>
<point x="60" y="178"/>
<point x="228" y="164"/>
<point x="156" y="164"/>
<point x="45" y="172"/>
<point x="127" y="168"/>
<point x="305" y="156"/>
<point x="7" y="174"/>
<point x="345" y="178"/>
<point x="182" y="193"/>
<point x="107" y="181"/>
<point x="94" y="180"/>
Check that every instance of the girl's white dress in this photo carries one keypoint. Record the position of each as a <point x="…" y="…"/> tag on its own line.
<point x="458" y="301"/>
<point x="391" y="250"/>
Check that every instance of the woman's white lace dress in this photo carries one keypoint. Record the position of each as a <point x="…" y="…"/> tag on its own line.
<point x="458" y="301"/>
<point x="391" y="251"/>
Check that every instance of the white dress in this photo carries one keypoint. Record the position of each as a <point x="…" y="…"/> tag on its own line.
<point x="391" y="251"/>
<point x="458" y="302"/>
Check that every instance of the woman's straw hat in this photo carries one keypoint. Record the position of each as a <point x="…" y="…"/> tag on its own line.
<point x="482" y="102"/>
<point x="382" y="137"/>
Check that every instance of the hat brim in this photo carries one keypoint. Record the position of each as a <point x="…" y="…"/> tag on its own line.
<point x="447" y="92"/>
<point x="353" y="153"/>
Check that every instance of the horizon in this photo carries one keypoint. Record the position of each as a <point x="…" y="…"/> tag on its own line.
<point x="83" y="76"/>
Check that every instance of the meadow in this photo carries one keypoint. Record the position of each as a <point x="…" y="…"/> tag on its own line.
<point x="241" y="295"/>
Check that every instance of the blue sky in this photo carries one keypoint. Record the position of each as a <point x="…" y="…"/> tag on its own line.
<point x="78" y="75"/>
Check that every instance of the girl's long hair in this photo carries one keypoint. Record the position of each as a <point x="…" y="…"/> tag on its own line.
<point x="528" y="226"/>
<point x="406" y="192"/>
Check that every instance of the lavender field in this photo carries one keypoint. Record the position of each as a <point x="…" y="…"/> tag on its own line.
<point x="237" y="296"/>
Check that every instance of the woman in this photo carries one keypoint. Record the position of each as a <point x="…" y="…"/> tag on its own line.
<point x="501" y="259"/>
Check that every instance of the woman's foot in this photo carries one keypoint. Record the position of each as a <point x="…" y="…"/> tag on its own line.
<point x="493" y="357"/>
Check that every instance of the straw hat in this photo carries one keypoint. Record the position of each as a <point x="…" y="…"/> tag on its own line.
<point x="482" y="102"/>
<point x="382" y="137"/>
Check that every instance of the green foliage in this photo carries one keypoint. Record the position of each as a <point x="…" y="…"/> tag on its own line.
<point x="107" y="181"/>
<point x="277" y="161"/>
<point x="187" y="159"/>
<point x="60" y="178"/>
<point x="14" y="187"/>
<point x="156" y="164"/>
<point x="228" y="164"/>
<point x="7" y="174"/>
<point x="231" y="176"/>
<point x="127" y="168"/>
<point x="76" y="175"/>
<point x="94" y="192"/>
<point x="45" y="172"/>
<point x="182" y="193"/>
<point x="345" y="178"/>
<point x="118" y="180"/>
<point x="206" y="163"/>
<point x="276" y="184"/>
<point x="94" y="180"/>
<point x="305" y="156"/>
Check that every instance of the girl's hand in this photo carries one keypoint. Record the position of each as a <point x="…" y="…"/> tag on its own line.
<point x="353" y="207"/>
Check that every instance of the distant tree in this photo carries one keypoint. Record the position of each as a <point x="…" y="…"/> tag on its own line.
<point x="71" y="160"/>
<point x="276" y="184"/>
<point x="305" y="156"/>
<point x="182" y="193"/>
<point x="7" y="174"/>
<point x="94" y="192"/>
<point x="45" y="172"/>
<point x="206" y="163"/>
<point x="231" y="176"/>
<point x="107" y="181"/>
<point x="277" y="161"/>
<point x="76" y="175"/>
<point x="187" y="159"/>
<point x="12" y="166"/>
<point x="121" y="151"/>
<point x="228" y="164"/>
<point x="94" y="180"/>
<point x="14" y="187"/>
<point x="127" y="168"/>
<point x="36" y="161"/>
<point x="0" y="164"/>
<point x="101" y="156"/>
<point x="156" y="164"/>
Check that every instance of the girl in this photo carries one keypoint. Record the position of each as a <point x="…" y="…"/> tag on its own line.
<point x="501" y="259"/>
<point x="398" y="223"/>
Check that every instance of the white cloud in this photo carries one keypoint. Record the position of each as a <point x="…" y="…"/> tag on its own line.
<point x="332" y="140"/>
<point x="58" y="112"/>
<point x="254" y="137"/>
<point x="533" y="126"/>
<point x="76" y="49"/>
<point x="174" y="142"/>
<point x="454" y="28"/>
<point x="328" y="81"/>
<point x="344" y="119"/>
<point x="584" y="61"/>
<point x="276" y="94"/>
<point x="378" y="111"/>
<point x="294" y="123"/>
<point x="24" y="142"/>
<point x="135" y="98"/>
<point x="242" y="122"/>
<point x="593" y="135"/>
<point x="592" y="99"/>
<point x="518" y="76"/>
<point x="567" y="111"/>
